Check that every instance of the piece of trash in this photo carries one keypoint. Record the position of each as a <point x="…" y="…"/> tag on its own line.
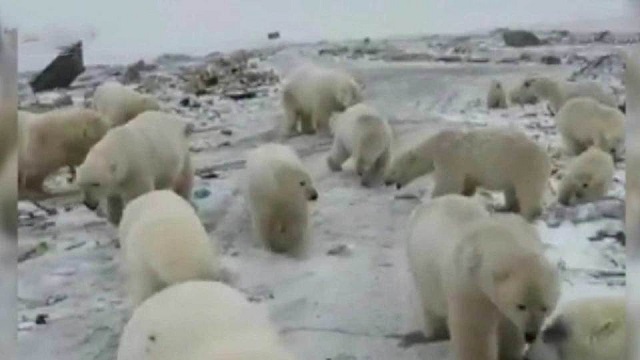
<point x="62" y="71"/>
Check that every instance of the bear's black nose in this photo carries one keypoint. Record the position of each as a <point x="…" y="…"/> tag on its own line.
<point x="314" y="196"/>
<point x="530" y="337"/>
<point x="398" y="186"/>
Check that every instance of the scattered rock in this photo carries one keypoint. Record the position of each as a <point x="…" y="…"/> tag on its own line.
<point x="550" y="60"/>
<point x="273" y="35"/>
<point x="241" y="94"/>
<point x="34" y="252"/>
<point x="408" y="57"/>
<point x="449" y="58"/>
<point x="63" y="100"/>
<point x="520" y="38"/>
<point x="41" y="319"/>
<point x="339" y="250"/>
<point x="226" y="132"/>
<point x="335" y="51"/>
<point x="604" y="37"/>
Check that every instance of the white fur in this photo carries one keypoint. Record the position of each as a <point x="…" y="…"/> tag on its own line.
<point x="312" y="94"/>
<point x="362" y="133"/>
<point x="164" y="243"/>
<point x="474" y="271"/>
<point x="500" y="159"/>
<point x="589" y="328"/>
<point x="584" y="122"/>
<point x="200" y="320"/>
<point x="496" y="98"/>
<point x="278" y="190"/>
<point x="120" y="103"/>
<point x="51" y="140"/>
<point x="588" y="177"/>
<point x="557" y="93"/>
<point x="151" y="152"/>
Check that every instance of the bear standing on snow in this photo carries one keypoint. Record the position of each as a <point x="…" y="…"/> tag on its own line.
<point x="496" y="99"/>
<point x="557" y="93"/>
<point x="278" y="191"/>
<point x="200" y="320"/>
<point x="164" y="243"/>
<point x="484" y="281"/>
<point x="120" y="103"/>
<point x="360" y="132"/>
<point x="591" y="328"/>
<point x="500" y="159"/>
<point x="584" y="122"/>
<point x="312" y="94"/>
<point x="151" y="152"/>
<point x="588" y="177"/>
<point x="52" y="140"/>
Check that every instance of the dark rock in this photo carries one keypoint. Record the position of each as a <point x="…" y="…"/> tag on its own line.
<point x="449" y="58"/>
<point x="520" y="38"/>
<point x="367" y="41"/>
<point x="41" y="319"/>
<point x="336" y="51"/>
<point x="408" y="57"/>
<point x="623" y="107"/>
<point x="63" y="100"/>
<point x="226" y="132"/>
<point x="241" y="94"/>
<point x="550" y="60"/>
<point x="185" y="102"/>
<point x="62" y="71"/>
<point x="339" y="250"/>
<point x="131" y="75"/>
<point x="604" y="37"/>
<point x="273" y="35"/>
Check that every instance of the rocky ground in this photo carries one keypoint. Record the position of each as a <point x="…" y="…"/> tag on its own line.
<point x="352" y="296"/>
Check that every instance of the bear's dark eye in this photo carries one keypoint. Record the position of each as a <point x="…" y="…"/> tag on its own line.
<point x="522" y="307"/>
<point x="544" y="309"/>
<point x="302" y="183"/>
<point x="527" y="84"/>
<point x="585" y="185"/>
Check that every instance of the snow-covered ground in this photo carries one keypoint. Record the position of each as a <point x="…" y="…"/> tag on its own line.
<point x="351" y="296"/>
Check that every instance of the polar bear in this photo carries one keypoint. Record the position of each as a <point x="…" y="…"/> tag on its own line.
<point x="483" y="279"/>
<point x="557" y="93"/>
<point x="497" y="98"/>
<point x="312" y="94"/>
<point x="583" y="122"/>
<point x="588" y="177"/>
<point x="121" y="104"/>
<point x="51" y="140"/>
<point x="164" y="243"/>
<point x="278" y="191"/>
<point x="200" y="320"/>
<point x="500" y="158"/>
<point x="589" y="328"/>
<point x="151" y="152"/>
<point x="362" y="133"/>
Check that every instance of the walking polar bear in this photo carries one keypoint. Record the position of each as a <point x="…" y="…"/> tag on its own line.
<point x="583" y="122"/>
<point x="500" y="159"/>
<point x="120" y="103"/>
<point x="151" y="152"/>
<point x="164" y="243"/>
<point x="588" y="177"/>
<point x="51" y="140"/>
<point x="200" y="320"/>
<point x="557" y="93"/>
<point x="312" y="94"/>
<point x="278" y="191"/>
<point x="496" y="98"/>
<point x="590" y="328"/>
<point x="483" y="279"/>
<point x="362" y="133"/>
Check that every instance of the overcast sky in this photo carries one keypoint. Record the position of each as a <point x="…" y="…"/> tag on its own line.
<point x="150" y="27"/>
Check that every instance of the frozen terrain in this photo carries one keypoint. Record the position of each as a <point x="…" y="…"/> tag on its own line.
<point x="352" y="296"/>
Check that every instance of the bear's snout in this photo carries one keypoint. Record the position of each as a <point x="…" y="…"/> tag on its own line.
<point x="313" y="196"/>
<point x="530" y="337"/>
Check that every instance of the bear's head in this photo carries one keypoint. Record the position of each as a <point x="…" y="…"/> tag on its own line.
<point x="526" y="292"/>
<point x="613" y="143"/>
<point x="580" y="187"/>
<point x="592" y="328"/>
<point x="297" y="181"/>
<point x="97" y="177"/>
<point x="348" y="93"/>
<point x="404" y="168"/>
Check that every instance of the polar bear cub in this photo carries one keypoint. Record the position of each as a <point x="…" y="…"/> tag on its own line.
<point x="483" y="280"/>
<point x="151" y="152"/>
<point x="500" y="159"/>
<point x="583" y="122"/>
<point x="496" y="98"/>
<point x="120" y="103"/>
<point x="51" y="140"/>
<point x="312" y="94"/>
<point x="588" y="177"/>
<point x="200" y="320"/>
<point x="164" y="243"/>
<point x="362" y="133"/>
<point x="557" y="93"/>
<point x="278" y="191"/>
<point x="589" y="328"/>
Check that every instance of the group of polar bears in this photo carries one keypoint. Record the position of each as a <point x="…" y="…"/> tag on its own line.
<point x="591" y="126"/>
<point x="483" y="279"/>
